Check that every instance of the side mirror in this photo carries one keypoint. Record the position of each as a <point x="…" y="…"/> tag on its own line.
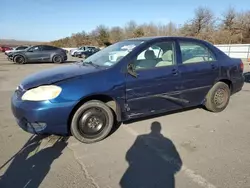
<point x="30" y="51"/>
<point x="131" y="70"/>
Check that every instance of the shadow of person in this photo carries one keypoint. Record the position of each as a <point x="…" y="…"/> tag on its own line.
<point x="30" y="165"/>
<point x="153" y="161"/>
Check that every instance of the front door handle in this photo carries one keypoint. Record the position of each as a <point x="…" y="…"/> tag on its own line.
<point x="213" y="66"/>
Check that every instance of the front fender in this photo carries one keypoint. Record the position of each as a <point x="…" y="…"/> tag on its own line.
<point x="93" y="84"/>
<point x="20" y="54"/>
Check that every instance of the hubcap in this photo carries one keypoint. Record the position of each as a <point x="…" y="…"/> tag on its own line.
<point x="57" y="59"/>
<point x="19" y="60"/>
<point x="220" y="97"/>
<point x="92" y="122"/>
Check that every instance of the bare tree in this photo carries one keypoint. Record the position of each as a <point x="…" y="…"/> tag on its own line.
<point x="243" y="25"/>
<point x="231" y="27"/>
<point x="171" y="29"/>
<point x="138" y="32"/>
<point x="229" y="19"/>
<point x="201" y="26"/>
<point x="101" y="34"/>
<point x="130" y="28"/>
<point x="150" y="29"/>
<point x="229" y="33"/>
<point x="116" y="34"/>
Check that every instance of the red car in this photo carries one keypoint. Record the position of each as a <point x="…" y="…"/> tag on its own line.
<point x="4" y="48"/>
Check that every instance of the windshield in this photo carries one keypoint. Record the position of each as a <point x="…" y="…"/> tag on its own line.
<point x="113" y="53"/>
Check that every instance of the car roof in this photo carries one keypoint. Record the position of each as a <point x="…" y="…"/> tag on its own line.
<point x="163" y="37"/>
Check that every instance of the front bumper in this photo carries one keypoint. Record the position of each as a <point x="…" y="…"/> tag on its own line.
<point x="65" y="58"/>
<point x="42" y="117"/>
<point x="10" y="58"/>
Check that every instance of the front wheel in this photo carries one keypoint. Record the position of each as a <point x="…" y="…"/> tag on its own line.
<point x="92" y="122"/>
<point x="19" y="59"/>
<point x="57" y="59"/>
<point x="218" y="97"/>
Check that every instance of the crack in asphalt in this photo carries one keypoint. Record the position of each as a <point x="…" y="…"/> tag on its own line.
<point x="83" y="168"/>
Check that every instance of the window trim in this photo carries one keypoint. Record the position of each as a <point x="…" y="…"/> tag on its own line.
<point x="174" y="45"/>
<point x="199" y="44"/>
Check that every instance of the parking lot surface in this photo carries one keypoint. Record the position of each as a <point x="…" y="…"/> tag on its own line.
<point x="194" y="148"/>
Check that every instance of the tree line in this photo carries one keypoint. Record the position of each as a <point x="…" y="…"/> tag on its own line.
<point x="231" y="27"/>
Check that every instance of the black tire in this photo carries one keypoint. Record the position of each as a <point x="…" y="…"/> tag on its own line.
<point x="92" y="122"/>
<point x="218" y="97"/>
<point x="74" y="55"/>
<point x="57" y="59"/>
<point x="19" y="59"/>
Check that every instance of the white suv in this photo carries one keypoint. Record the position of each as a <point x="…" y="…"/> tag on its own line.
<point x="80" y="49"/>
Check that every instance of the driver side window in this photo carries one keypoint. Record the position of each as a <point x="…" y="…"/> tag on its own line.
<point x="158" y="55"/>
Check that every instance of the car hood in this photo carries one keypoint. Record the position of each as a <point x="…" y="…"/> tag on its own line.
<point x="53" y="75"/>
<point x="8" y="51"/>
<point x="15" y="51"/>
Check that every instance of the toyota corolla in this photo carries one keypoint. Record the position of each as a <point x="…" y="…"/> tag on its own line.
<point x="86" y="99"/>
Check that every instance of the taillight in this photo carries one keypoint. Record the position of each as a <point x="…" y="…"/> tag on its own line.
<point x="241" y="66"/>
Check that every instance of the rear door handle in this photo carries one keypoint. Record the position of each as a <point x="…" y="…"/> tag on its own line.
<point x="175" y="72"/>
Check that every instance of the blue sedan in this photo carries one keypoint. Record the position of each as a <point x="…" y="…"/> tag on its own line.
<point x="130" y="79"/>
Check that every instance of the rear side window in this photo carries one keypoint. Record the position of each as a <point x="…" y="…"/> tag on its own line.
<point x="49" y="48"/>
<point x="195" y="53"/>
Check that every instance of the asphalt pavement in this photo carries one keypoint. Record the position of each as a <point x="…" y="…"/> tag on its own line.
<point x="194" y="148"/>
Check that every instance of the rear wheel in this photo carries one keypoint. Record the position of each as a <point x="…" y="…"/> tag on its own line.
<point x="92" y="122"/>
<point x="218" y="97"/>
<point x="19" y="59"/>
<point x="57" y="59"/>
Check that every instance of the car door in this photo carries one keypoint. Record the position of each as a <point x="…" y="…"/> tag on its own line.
<point x="34" y="54"/>
<point x="155" y="88"/>
<point x="83" y="48"/>
<point x="198" y="68"/>
<point x="46" y="52"/>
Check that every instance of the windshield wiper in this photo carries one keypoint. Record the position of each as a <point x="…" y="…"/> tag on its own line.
<point x="91" y="63"/>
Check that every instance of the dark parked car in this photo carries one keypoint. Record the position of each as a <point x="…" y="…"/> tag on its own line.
<point x="39" y="53"/>
<point x="85" y="99"/>
<point x="86" y="53"/>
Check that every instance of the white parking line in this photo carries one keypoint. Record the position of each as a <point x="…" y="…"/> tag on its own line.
<point x="188" y="172"/>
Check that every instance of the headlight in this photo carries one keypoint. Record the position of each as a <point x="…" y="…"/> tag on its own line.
<point x="42" y="93"/>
